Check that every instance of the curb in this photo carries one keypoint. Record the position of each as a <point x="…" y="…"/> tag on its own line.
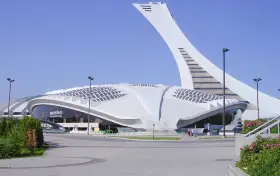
<point x="145" y="140"/>
<point x="219" y="139"/>
<point x="235" y="171"/>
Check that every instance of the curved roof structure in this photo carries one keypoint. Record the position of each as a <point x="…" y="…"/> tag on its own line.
<point x="17" y="108"/>
<point x="137" y="106"/>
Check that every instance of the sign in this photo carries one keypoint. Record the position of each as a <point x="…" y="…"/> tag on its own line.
<point x="56" y="114"/>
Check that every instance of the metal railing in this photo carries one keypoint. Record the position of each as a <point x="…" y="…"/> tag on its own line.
<point x="265" y="127"/>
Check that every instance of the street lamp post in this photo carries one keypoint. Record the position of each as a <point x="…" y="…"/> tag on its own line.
<point x="257" y="80"/>
<point x="224" y="90"/>
<point x="10" y="89"/>
<point x="153" y="131"/>
<point x="90" y="79"/>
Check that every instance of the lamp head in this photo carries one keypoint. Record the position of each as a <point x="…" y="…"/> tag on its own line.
<point x="225" y="50"/>
<point x="10" y="80"/>
<point x="257" y="79"/>
<point x="90" y="78"/>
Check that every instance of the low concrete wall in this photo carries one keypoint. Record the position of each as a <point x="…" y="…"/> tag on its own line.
<point x="240" y="142"/>
<point x="235" y="171"/>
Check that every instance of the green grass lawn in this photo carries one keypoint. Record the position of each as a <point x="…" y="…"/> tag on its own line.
<point x="149" y="137"/>
<point x="24" y="152"/>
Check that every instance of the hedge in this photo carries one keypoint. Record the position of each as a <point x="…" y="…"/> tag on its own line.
<point x="261" y="158"/>
<point x="13" y="135"/>
<point x="250" y="125"/>
<point x="8" y="148"/>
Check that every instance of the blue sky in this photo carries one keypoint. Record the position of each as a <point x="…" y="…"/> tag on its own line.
<point x="49" y="45"/>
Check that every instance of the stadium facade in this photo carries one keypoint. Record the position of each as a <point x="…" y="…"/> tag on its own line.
<point x="142" y="106"/>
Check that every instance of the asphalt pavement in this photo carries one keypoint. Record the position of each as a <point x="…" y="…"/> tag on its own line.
<point x="91" y="155"/>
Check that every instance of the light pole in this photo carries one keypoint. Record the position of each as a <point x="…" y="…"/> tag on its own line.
<point x="224" y="90"/>
<point x="257" y="80"/>
<point x="90" y="79"/>
<point x="153" y="131"/>
<point x="10" y="89"/>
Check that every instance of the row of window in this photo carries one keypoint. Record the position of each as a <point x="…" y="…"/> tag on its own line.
<point x="144" y="85"/>
<point x="190" y="99"/>
<point x="210" y="88"/>
<point x="189" y="60"/>
<point x="145" y="6"/>
<point x="198" y="71"/>
<point x="202" y="77"/>
<point x="197" y="95"/>
<point x="195" y="69"/>
<point x="96" y="94"/>
<point x="206" y="82"/>
<point x="203" y="97"/>
<point x="17" y="113"/>
<point x="227" y="94"/>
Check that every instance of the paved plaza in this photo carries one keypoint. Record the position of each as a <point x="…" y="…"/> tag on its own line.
<point x="88" y="155"/>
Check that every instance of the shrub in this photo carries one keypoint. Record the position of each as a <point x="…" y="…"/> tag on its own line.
<point x="274" y="129"/>
<point x="6" y="124"/>
<point x="31" y="123"/>
<point x="17" y="135"/>
<point x="13" y="135"/>
<point x="261" y="156"/>
<point x="250" y="125"/>
<point x="3" y="125"/>
<point x="266" y="163"/>
<point x="8" y="148"/>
